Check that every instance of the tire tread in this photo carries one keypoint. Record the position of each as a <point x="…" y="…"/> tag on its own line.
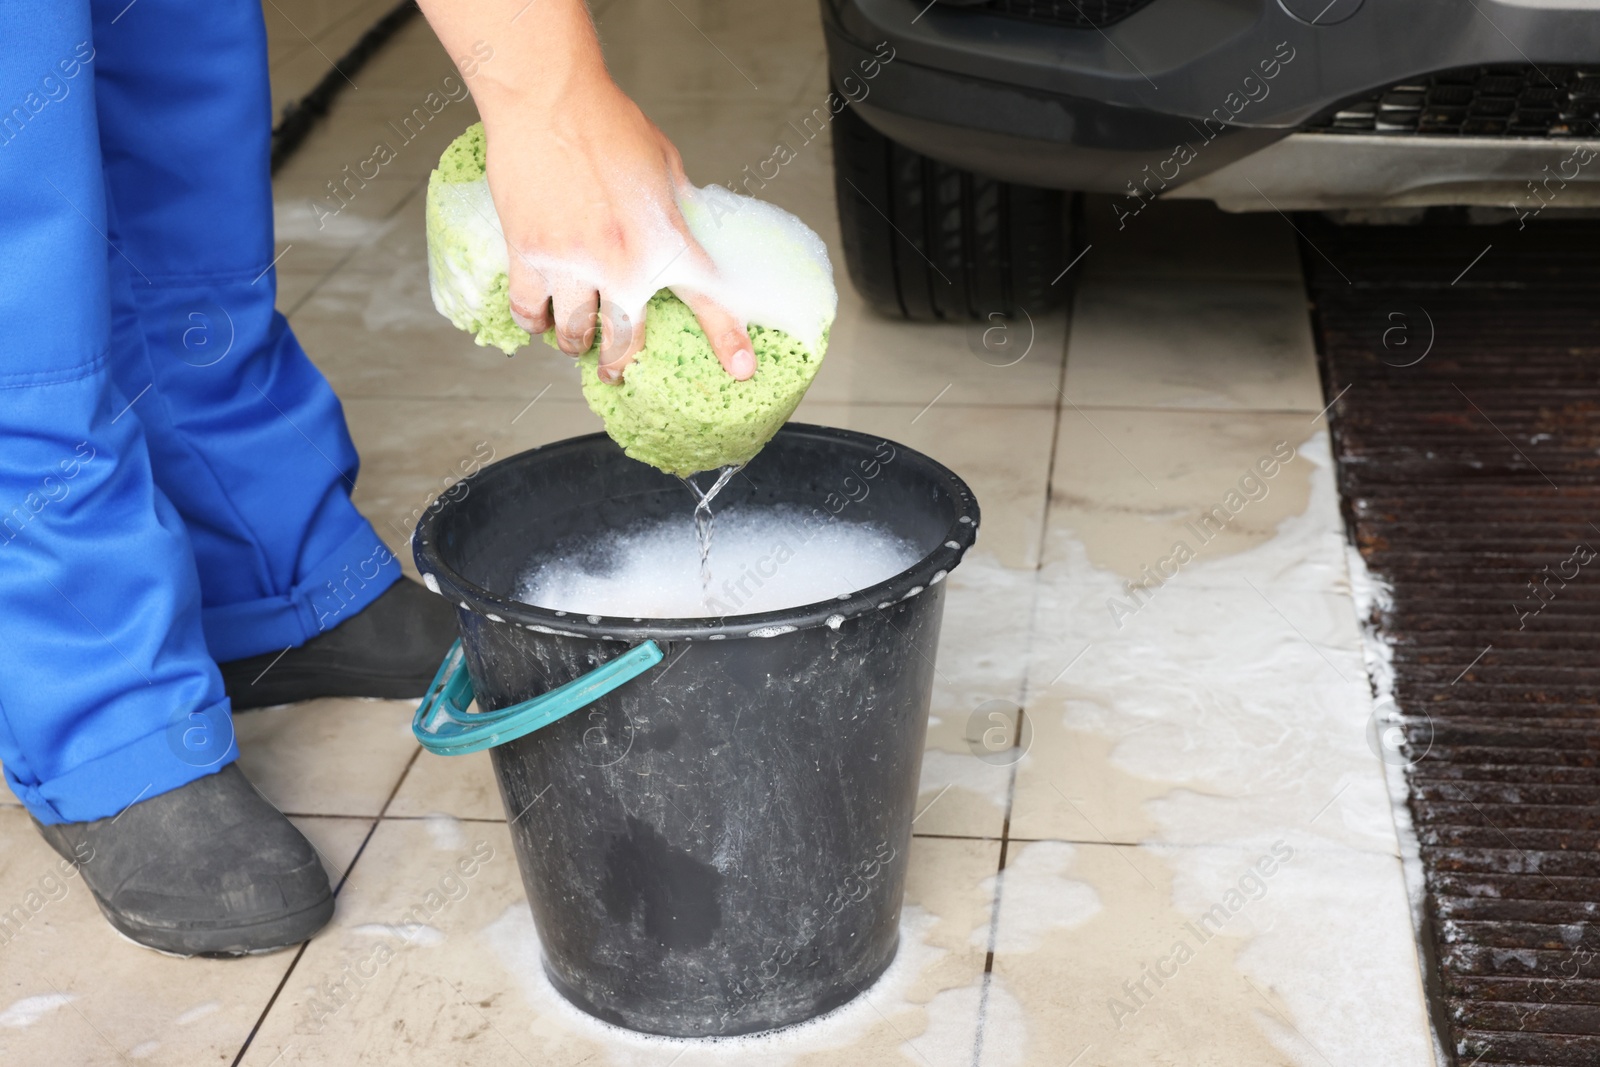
<point x="927" y="241"/>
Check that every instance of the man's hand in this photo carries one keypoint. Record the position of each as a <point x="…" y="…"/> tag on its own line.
<point x="585" y="185"/>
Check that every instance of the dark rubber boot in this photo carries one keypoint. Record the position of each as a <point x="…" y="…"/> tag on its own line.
<point x="208" y="869"/>
<point x="391" y="648"/>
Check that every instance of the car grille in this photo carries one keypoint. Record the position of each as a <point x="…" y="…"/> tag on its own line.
<point x="1501" y="101"/>
<point x="1072" y="14"/>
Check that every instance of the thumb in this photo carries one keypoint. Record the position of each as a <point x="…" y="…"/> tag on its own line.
<point x="726" y="333"/>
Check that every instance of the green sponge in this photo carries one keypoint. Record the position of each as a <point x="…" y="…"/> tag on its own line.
<point x="467" y="264"/>
<point x="466" y="159"/>
<point x="676" y="408"/>
<point x="679" y="411"/>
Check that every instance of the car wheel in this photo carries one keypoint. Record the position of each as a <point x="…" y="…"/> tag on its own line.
<point x="928" y="241"/>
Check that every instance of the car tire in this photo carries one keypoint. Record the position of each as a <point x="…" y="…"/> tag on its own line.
<point x="927" y="241"/>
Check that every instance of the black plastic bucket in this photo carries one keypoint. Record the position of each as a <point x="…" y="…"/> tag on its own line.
<point x="718" y="846"/>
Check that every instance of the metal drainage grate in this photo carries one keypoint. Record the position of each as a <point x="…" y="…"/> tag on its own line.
<point x="1504" y="101"/>
<point x="1466" y="428"/>
<point x="1072" y="14"/>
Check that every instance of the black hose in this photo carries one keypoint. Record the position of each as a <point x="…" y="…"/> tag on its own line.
<point x="301" y="116"/>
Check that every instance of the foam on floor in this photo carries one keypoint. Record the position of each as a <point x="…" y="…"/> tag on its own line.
<point x="25" y="1012"/>
<point x="1255" y="728"/>
<point x="762" y="559"/>
<point x="515" y="942"/>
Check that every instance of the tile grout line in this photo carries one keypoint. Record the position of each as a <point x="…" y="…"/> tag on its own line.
<point x="390" y="818"/>
<point x="1188" y="410"/>
<point x="1033" y="615"/>
<point x="1332" y="849"/>
<point x="484" y="821"/>
<point x="345" y="877"/>
<point x="1178" y="409"/>
<point x="256" y="1027"/>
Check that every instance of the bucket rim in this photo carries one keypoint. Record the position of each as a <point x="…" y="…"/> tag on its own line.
<point x="922" y="575"/>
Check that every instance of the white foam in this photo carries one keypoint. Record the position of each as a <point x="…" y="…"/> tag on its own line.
<point x="1373" y="596"/>
<point x="198" y="1012"/>
<point x="446" y="832"/>
<point x="1005" y="1028"/>
<point x="942" y="770"/>
<point x="1038" y="897"/>
<point x="297" y="221"/>
<point x="29" y="1010"/>
<point x="1257" y="727"/>
<point x="411" y="933"/>
<point x="771" y="268"/>
<point x="762" y="559"/>
<point x="515" y="941"/>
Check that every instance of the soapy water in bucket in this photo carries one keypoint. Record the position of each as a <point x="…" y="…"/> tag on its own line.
<point x="764" y="559"/>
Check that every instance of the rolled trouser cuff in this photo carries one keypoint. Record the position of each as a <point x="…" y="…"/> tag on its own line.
<point x="188" y="746"/>
<point x="352" y="577"/>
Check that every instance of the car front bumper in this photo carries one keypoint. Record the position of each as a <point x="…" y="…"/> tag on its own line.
<point x="1183" y="89"/>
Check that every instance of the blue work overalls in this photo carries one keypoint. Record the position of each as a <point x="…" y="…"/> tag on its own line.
<point x="175" y="474"/>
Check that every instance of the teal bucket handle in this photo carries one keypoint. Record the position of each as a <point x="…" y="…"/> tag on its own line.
<point x="443" y="725"/>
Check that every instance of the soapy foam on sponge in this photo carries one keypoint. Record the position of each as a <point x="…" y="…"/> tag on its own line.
<point x="467" y="262"/>
<point x="762" y="559"/>
<point x="682" y="414"/>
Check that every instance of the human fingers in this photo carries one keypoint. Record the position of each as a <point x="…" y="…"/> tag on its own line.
<point x="621" y="337"/>
<point x="530" y="295"/>
<point x="576" y="308"/>
<point x="725" y="331"/>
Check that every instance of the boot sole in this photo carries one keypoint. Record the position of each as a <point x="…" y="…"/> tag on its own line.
<point x="254" y="939"/>
<point x="292" y="688"/>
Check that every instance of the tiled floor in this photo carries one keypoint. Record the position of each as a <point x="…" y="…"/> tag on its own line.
<point x="1195" y="749"/>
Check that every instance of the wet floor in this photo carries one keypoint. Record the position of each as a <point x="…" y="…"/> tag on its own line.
<point x="1190" y="858"/>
